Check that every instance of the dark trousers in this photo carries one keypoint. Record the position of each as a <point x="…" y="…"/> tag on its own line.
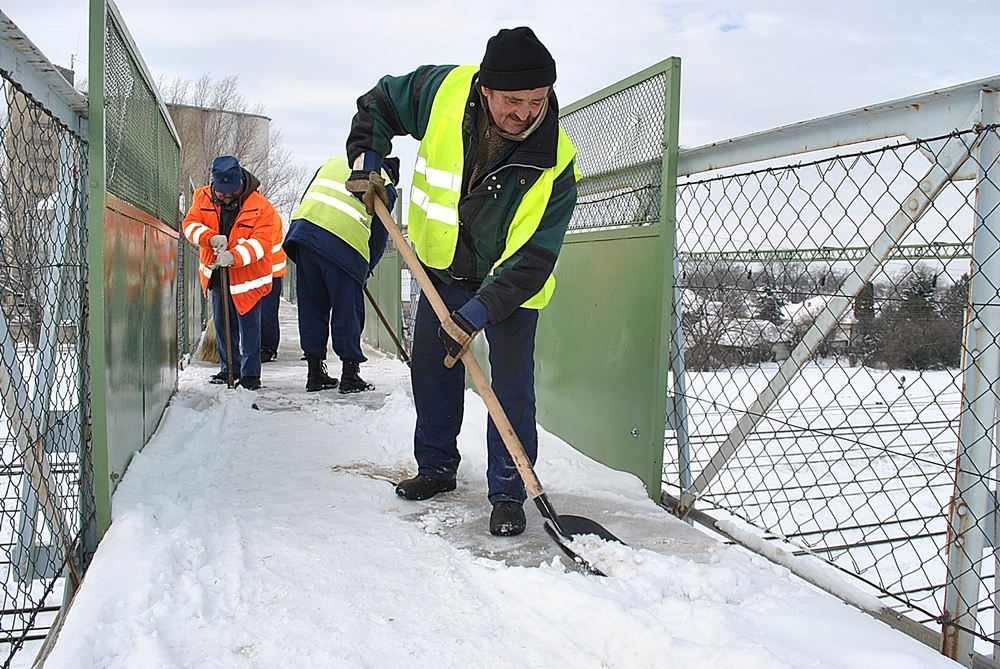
<point x="270" y="332"/>
<point x="331" y="307"/>
<point x="438" y="393"/>
<point x="244" y="336"/>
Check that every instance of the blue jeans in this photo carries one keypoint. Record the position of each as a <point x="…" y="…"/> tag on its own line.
<point x="439" y="392"/>
<point x="244" y="336"/>
<point x="270" y="331"/>
<point x="331" y="306"/>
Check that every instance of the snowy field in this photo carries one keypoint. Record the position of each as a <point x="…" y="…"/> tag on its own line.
<point x="273" y="539"/>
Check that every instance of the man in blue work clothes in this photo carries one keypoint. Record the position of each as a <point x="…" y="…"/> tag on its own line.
<point x="335" y="248"/>
<point x="493" y="192"/>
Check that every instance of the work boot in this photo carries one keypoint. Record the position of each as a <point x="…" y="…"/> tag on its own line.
<point x="250" y="382"/>
<point x="223" y="378"/>
<point x="422" y="487"/>
<point x="350" y="382"/>
<point x="507" y="519"/>
<point x="318" y="379"/>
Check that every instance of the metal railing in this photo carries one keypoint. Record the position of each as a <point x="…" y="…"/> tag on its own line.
<point x="835" y="358"/>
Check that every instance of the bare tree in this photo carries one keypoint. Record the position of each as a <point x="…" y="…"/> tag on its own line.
<point x="213" y="119"/>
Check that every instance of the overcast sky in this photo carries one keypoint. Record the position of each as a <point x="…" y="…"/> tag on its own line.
<point x="746" y="66"/>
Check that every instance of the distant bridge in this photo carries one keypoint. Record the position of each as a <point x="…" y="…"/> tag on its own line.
<point x="943" y="251"/>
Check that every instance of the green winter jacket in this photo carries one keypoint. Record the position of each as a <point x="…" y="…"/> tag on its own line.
<point x="402" y="106"/>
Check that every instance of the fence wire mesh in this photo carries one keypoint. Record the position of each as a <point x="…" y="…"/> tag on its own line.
<point x="619" y="143"/>
<point x="43" y="365"/>
<point x="855" y="462"/>
<point x="142" y="157"/>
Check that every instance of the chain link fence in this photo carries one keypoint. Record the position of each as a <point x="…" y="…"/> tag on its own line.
<point x="142" y="162"/>
<point x="46" y="513"/>
<point x="853" y="458"/>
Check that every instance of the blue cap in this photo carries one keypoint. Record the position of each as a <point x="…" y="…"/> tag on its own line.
<point x="227" y="175"/>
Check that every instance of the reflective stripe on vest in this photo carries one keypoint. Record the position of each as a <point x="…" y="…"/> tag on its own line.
<point x="437" y="179"/>
<point x="328" y="204"/>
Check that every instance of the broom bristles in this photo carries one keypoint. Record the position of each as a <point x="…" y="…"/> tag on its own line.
<point x="209" y="352"/>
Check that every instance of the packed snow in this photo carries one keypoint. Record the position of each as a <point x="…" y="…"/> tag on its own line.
<point x="272" y="538"/>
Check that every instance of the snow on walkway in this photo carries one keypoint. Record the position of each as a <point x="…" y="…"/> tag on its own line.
<point x="273" y="539"/>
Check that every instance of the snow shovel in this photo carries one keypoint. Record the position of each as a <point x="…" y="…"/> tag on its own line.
<point x="562" y="529"/>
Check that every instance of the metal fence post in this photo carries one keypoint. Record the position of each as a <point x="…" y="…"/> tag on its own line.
<point x="679" y="407"/>
<point x="968" y="511"/>
<point x="95" y="271"/>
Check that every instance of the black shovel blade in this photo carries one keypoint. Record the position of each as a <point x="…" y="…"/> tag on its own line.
<point x="562" y="529"/>
<point x="561" y="542"/>
<point x="576" y="526"/>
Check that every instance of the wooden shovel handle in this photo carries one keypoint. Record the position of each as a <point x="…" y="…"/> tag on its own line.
<point x="479" y="379"/>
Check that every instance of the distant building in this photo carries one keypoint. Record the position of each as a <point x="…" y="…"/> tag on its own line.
<point x="802" y="315"/>
<point x="206" y="133"/>
<point x="749" y="341"/>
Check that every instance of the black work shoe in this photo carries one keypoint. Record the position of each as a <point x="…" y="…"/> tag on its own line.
<point x="222" y="378"/>
<point x="318" y="379"/>
<point x="268" y="355"/>
<point x="507" y="519"/>
<point x="422" y="486"/>
<point x="250" y="382"/>
<point x="350" y="382"/>
<point x="322" y="382"/>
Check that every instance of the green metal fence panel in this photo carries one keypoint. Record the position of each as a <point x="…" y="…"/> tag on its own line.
<point x="599" y="386"/>
<point x="159" y="331"/>
<point x="135" y="190"/>
<point x="603" y="341"/>
<point x="384" y="286"/>
<point x="123" y="239"/>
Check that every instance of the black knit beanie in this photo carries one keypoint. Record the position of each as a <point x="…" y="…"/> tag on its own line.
<point x="516" y="61"/>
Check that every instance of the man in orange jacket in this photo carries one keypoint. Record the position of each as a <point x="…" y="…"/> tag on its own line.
<point x="233" y="225"/>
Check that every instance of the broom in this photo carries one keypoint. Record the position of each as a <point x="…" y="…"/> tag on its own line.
<point x="209" y="352"/>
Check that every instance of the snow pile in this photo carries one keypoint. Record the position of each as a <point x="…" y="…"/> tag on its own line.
<point x="273" y="539"/>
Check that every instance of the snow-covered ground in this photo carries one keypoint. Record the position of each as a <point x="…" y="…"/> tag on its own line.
<point x="272" y="538"/>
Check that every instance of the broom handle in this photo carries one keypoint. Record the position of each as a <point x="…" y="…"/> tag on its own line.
<point x="479" y="379"/>
<point x="385" y="322"/>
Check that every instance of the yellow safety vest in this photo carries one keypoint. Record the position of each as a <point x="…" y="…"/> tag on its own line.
<point x="437" y="184"/>
<point x="328" y="204"/>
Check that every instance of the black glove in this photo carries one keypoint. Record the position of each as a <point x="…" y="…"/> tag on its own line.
<point x="456" y="333"/>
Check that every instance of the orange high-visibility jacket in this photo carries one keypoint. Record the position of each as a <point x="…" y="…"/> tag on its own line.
<point x="279" y="261"/>
<point x="250" y="242"/>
